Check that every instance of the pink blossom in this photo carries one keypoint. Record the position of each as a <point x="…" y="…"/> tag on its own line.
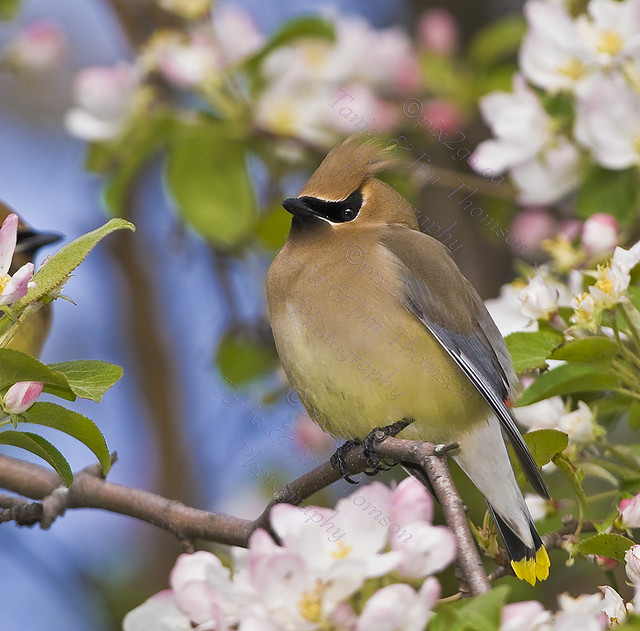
<point x="411" y="502"/>
<point x="613" y="606"/>
<point x="12" y="287"/>
<point x="21" y="396"/>
<point x="528" y="615"/>
<point x="533" y="225"/>
<point x="599" y="234"/>
<point x="399" y="607"/>
<point x="632" y="559"/>
<point x="630" y="512"/>
<point x="103" y="96"/>
<point x="429" y="550"/>
<point x="39" y="47"/>
<point x="187" y="63"/>
<point x="445" y="114"/>
<point x="438" y="31"/>
<point x="236" y="32"/>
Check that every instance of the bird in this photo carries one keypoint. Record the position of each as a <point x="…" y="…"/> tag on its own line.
<point x="374" y="323"/>
<point x="32" y="334"/>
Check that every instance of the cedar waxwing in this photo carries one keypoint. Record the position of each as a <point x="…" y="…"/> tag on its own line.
<point x="31" y="336"/>
<point x="375" y="323"/>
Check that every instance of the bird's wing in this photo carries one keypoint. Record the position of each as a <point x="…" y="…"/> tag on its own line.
<point x="451" y="309"/>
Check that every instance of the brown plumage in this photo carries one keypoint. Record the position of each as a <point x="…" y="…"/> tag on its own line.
<point x="374" y="322"/>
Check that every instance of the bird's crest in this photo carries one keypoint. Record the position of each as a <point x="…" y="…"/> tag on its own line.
<point x="346" y="167"/>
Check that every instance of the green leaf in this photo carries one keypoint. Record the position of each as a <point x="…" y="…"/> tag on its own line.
<point x="633" y="417"/>
<point x="208" y="179"/>
<point x="41" y="448"/>
<point x="607" y="545"/>
<point x="242" y="357"/>
<point x="89" y="379"/>
<point x="55" y="272"/>
<point x="9" y="9"/>
<point x="76" y="425"/>
<point x="481" y="613"/>
<point x="546" y="444"/>
<point x="304" y="26"/>
<point x="587" y="349"/>
<point x="606" y="191"/>
<point x="501" y="39"/>
<point x="569" y="379"/>
<point x="16" y="366"/>
<point x="530" y="349"/>
<point x="632" y="623"/>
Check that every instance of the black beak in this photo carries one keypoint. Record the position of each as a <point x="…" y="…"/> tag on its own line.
<point x="296" y="207"/>
<point x="29" y="241"/>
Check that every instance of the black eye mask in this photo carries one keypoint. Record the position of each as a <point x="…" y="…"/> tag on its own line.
<point x="337" y="212"/>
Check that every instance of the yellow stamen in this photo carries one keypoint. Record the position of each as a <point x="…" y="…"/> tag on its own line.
<point x="315" y="55"/>
<point x="604" y="283"/>
<point x="3" y="282"/>
<point x="610" y="43"/>
<point x="574" y="69"/>
<point x="341" y="550"/>
<point x="310" y="604"/>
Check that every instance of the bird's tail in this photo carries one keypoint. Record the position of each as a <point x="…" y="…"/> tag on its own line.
<point x="530" y="563"/>
<point x="483" y="457"/>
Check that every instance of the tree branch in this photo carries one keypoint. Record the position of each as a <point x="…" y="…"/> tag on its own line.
<point x="90" y="490"/>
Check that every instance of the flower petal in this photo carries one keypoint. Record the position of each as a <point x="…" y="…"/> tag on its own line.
<point x="8" y="238"/>
<point x="18" y="286"/>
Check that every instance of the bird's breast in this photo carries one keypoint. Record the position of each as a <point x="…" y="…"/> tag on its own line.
<point x="356" y="355"/>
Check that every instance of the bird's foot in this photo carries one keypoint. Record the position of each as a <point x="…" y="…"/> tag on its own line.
<point x="338" y="461"/>
<point x="377" y="435"/>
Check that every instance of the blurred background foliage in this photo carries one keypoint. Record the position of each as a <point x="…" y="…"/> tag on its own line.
<point x="198" y="120"/>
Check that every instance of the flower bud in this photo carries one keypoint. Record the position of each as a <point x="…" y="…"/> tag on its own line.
<point x="630" y="512"/>
<point x="21" y="396"/>
<point x="599" y="234"/>
<point x="37" y="48"/>
<point x="438" y="31"/>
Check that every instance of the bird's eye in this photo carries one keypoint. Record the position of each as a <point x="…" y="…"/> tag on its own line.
<point x="348" y="214"/>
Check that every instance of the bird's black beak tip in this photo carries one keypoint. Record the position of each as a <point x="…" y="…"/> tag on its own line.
<point x="32" y="241"/>
<point x="296" y="206"/>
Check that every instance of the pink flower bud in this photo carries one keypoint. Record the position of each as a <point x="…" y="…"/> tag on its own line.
<point x="444" y="114"/>
<point x="105" y="91"/>
<point x="21" y="396"/>
<point x="307" y="433"/>
<point x="39" y="47"/>
<point x="438" y="31"/>
<point x="630" y="512"/>
<point x="532" y="226"/>
<point x="599" y="234"/>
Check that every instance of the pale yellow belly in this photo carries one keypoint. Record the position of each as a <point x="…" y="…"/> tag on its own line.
<point x="358" y="359"/>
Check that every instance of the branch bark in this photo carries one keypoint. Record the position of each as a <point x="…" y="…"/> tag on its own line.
<point x="90" y="490"/>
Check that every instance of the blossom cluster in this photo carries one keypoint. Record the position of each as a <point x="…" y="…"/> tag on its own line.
<point x="297" y="80"/>
<point x="312" y="581"/>
<point x="590" y="60"/>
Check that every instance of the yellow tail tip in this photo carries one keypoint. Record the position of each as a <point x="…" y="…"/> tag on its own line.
<point x="531" y="570"/>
